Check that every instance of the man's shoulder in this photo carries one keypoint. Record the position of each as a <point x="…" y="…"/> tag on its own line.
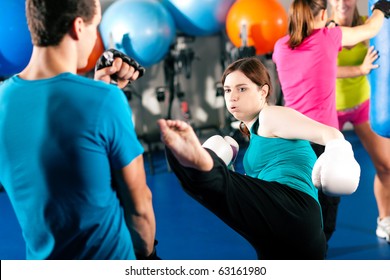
<point x="88" y="82"/>
<point x="88" y="86"/>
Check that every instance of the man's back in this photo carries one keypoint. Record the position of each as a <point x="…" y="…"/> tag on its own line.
<point x="59" y="139"/>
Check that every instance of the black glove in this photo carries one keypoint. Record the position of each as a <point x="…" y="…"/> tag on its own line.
<point x="383" y="6"/>
<point x="152" y="256"/>
<point x="107" y="58"/>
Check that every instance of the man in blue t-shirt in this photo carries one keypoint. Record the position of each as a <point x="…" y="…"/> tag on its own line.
<point x="63" y="138"/>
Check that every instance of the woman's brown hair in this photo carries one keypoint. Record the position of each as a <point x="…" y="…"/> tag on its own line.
<point x="255" y="70"/>
<point x="301" y="19"/>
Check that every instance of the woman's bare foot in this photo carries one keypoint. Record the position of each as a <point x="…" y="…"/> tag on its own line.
<point x="181" y="139"/>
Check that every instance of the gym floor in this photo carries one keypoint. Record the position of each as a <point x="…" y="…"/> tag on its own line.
<point x="187" y="231"/>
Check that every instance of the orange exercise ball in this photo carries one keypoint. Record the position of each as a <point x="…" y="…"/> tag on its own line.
<point x="97" y="51"/>
<point x="265" y="21"/>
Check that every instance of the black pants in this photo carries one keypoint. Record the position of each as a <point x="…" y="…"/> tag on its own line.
<point x="278" y="221"/>
<point x="329" y="204"/>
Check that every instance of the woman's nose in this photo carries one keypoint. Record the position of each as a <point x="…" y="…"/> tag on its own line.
<point x="234" y="96"/>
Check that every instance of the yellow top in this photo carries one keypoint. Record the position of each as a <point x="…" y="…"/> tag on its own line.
<point x="350" y="92"/>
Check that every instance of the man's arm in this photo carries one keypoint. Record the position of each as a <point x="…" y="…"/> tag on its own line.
<point x="136" y="199"/>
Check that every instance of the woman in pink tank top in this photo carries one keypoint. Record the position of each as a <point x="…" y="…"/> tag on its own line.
<point x="306" y="62"/>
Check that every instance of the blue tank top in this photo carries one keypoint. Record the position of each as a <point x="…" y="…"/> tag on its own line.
<point x="286" y="161"/>
<point x="59" y="138"/>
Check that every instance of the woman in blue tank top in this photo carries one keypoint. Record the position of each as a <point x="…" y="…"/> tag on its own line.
<point x="275" y="204"/>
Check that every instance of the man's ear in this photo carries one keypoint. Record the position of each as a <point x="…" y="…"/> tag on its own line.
<point x="76" y="28"/>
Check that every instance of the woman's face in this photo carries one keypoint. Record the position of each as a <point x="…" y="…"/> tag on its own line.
<point x="343" y="9"/>
<point x="243" y="98"/>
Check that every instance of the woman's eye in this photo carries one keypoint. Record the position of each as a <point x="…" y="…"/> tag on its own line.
<point x="242" y="89"/>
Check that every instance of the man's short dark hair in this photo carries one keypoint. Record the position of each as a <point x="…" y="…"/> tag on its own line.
<point x="50" y="20"/>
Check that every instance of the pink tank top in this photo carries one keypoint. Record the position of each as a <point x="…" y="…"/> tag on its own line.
<point x="307" y="74"/>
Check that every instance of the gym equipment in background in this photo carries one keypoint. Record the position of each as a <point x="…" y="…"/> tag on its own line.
<point x="142" y="29"/>
<point x="177" y="62"/>
<point x="264" y="22"/>
<point x="380" y="81"/>
<point x="199" y="17"/>
<point x="15" y="40"/>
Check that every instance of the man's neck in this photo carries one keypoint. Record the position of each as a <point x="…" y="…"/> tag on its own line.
<point x="47" y="62"/>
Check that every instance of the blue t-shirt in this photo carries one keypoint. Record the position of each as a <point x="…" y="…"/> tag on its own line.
<point x="58" y="139"/>
<point x="286" y="161"/>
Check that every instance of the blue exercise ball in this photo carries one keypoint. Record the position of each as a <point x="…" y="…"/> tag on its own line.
<point x="199" y="17"/>
<point x="15" y="39"/>
<point x="142" y="29"/>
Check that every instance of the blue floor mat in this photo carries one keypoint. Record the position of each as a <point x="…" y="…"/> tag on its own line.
<point x="188" y="231"/>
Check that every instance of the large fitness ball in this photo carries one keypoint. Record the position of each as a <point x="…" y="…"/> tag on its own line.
<point x="15" y="40"/>
<point x="199" y="17"/>
<point x="142" y="29"/>
<point x="265" y="20"/>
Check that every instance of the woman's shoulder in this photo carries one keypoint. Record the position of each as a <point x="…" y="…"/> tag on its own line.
<point x="272" y="114"/>
<point x="274" y="109"/>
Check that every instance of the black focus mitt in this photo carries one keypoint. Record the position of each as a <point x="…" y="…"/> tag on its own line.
<point x="107" y="59"/>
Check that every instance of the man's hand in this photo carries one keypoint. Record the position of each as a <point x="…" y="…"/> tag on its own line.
<point x="115" y="67"/>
